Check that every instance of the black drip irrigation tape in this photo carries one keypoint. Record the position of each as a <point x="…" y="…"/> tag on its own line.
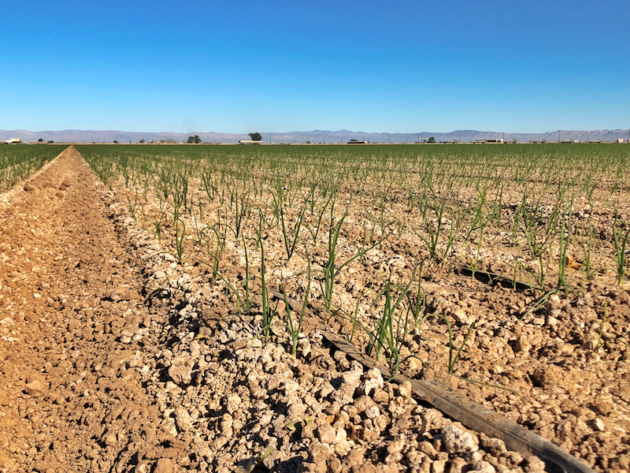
<point x="492" y="279"/>
<point x="469" y="413"/>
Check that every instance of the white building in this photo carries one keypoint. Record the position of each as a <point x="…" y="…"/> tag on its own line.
<point x="249" y="142"/>
<point x="484" y="142"/>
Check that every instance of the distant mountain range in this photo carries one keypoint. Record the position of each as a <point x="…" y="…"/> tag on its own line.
<point x="315" y="136"/>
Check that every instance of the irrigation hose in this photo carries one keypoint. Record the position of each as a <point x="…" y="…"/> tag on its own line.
<point x="492" y="279"/>
<point x="469" y="413"/>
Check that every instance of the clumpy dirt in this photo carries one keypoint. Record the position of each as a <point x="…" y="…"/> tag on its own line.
<point x="114" y="357"/>
<point x="561" y="370"/>
<point x="239" y="401"/>
<point x="70" y="397"/>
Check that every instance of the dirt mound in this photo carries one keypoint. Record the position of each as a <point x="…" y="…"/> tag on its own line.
<point x="71" y="396"/>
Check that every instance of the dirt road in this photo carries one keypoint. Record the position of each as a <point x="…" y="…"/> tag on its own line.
<point x="71" y="397"/>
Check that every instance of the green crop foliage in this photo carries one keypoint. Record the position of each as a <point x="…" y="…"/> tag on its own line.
<point x="526" y="208"/>
<point x="19" y="162"/>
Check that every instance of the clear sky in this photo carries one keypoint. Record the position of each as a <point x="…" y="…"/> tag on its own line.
<point x="279" y="65"/>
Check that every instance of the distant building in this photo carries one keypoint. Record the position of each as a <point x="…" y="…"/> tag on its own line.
<point x="491" y="141"/>
<point x="595" y="141"/>
<point x="356" y="142"/>
<point x="454" y="142"/>
<point x="570" y="141"/>
<point x="619" y="140"/>
<point x="538" y="142"/>
<point x="249" y="142"/>
<point x="13" y="141"/>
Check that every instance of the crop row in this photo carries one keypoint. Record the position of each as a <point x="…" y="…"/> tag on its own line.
<point x="321" y="224"/>
<point x="18" y="162"/>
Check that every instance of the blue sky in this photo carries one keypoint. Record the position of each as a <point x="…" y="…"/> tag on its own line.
<point x="514" y="66"/>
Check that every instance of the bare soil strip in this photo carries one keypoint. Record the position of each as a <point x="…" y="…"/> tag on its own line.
<point x="69" y="399"/>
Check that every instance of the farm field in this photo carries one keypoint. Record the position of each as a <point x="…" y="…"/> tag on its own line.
<point x="18" y="162"/>
<point x="498" y="270"/>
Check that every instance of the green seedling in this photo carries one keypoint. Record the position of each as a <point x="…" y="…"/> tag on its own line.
<point x="620" y="240"/>
<point x="295" y="327"/>
<point x="292" y="236"/>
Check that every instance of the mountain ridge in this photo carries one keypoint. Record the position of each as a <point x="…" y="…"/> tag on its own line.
<point x="314" y="136"/>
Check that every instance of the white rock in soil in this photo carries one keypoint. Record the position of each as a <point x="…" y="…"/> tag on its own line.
<point x="438" y="466"/>
<point x="290" y="387"/>
<point x="457" y="465"/>
<point x="482" y="467"/>
<point x="373" y="380"/>
<point x="36" y="388"/>
<point x="353" y="376"/>
<point x="552" y="321"/>
<point x="462" y="317"/>
<point x="363" y="403"/>
<point x="396" y="446"/>
<point x="343" y="447"/>
<point x="405" y="390"/>
<point x="305" y="347"/>
<point x="169" y="426"/>
<point x="349" y="383"/>
<point x="180" y="371"/>
<point x="201" y="448"/>
<point x="327" y="434"/>
<point x="183" y="419"/>
<point x="345" y="394"/>
<point x="535" y="465"/>
<point x="372" y="412"/>
<point x="457" y="440"/>
<point x="341" y="435"/>
<point x="233" y="403"/>
<point x="496" y="446"/>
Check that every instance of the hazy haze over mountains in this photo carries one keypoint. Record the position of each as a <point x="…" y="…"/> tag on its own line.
<point x="315" y="136"/>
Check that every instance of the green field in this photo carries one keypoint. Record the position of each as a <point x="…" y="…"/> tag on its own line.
<point x="18" y="162"/>
<point x="528" y="201"/>
<point x="450" y="197"/>
<point x="498" y="269"/>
